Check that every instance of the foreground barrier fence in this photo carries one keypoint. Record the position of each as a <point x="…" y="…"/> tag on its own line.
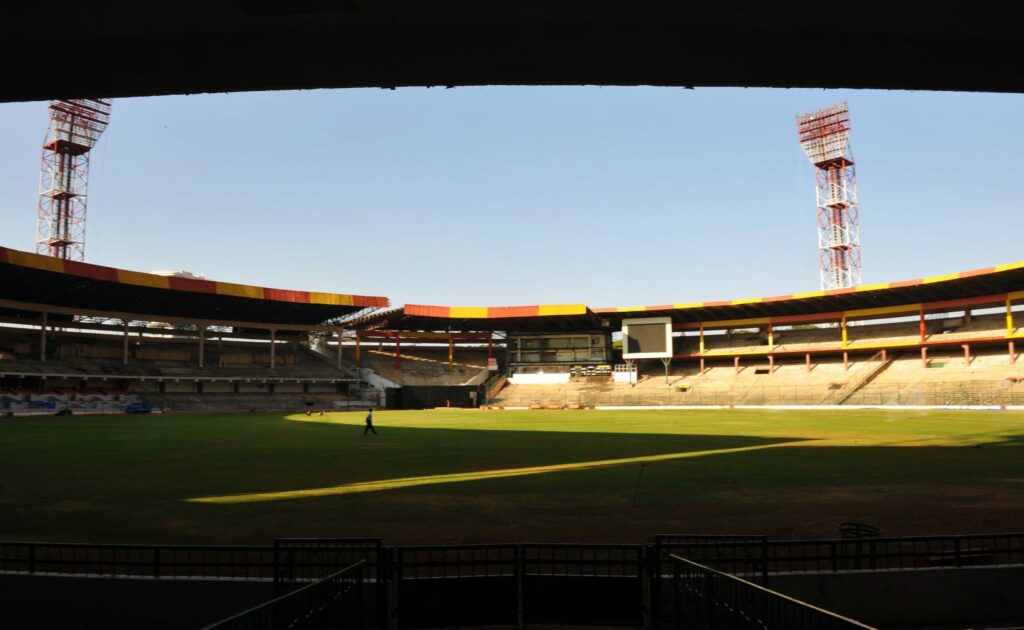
<point x="512" y="584"/>
<point x="762" y="557"/>
<point x="139" y="561"/>
<point x="334" y="602"/>
<point x="707" y="599"/>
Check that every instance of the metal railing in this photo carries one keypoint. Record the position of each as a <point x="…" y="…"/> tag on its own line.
<point x="299" y="560"/>
<point x="334" y="602"/>
<point x="905" y="552"/>
<point x="303" y="559"/>
<point x="735" y="554"/>
<point x="502" y="584"/>
<point x="287" y="560"/>
<point x="457" y="585"/>
<point x="139" y="561"/>
<point x="762" y="557"/>
<point x="709" y="599"/>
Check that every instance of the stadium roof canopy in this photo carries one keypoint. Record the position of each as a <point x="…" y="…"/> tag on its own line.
<point x="201" y="46"/>
<point x="541" y="318"/>
<point x="937" y="291"/>
<point x="33" y="280"/>
<point x="947" y="291"/>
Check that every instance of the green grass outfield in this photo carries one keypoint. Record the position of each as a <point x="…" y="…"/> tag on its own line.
<point x="478" y="476"/>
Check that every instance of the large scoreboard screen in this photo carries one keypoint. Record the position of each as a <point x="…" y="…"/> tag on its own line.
<point x="647" y="338"/>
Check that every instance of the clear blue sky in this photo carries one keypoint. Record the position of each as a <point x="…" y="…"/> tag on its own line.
<point x="506" y="196"/>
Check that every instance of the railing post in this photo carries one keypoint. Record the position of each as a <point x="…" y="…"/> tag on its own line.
<point x="520" y="570"/>
<point x="323" y="594"/>
<point x="395" y="587"/>
<point x="709" y="599"/>
<point x="677" y="597"/>
<point x="32" y="559"/>
<point x="156" y="562"/>
<point x="764" y="561"/>
<point x="645" y="586"/>
<point x="835" y="560"/>
<point x="956" y="551"/>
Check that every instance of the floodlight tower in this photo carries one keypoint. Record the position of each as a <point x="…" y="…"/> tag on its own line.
<point x="825" y="138"/>
<point x="75" y="126"/>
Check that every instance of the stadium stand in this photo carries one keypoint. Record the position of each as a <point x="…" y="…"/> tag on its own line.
<point x="878" y="344"/>
<point x="68" y="330"/>
<point x="183" y="343"/>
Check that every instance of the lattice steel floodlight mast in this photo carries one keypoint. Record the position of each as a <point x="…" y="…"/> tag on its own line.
<point x="825" y="138"/>
<point x="75" y="126"/>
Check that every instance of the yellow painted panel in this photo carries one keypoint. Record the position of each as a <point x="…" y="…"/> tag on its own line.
<point x="879" y="346"/>
<point x="1010" y="266"/>
<point x="563" y="309"/>
<point x="240" y="290"/>
<point x="747" y="301"/>
<point x="948" y="276"/>
<point x="809" y="294"/>
<point x="631" y="309"/>
<point x="143" y="279"/>
<point x="35" y="261"/>
<point x="873" y="287"/>
<point x="730" y="323"/>
<point x="469" y="312"/>
<point x="334" y="299"/>
<point x="884" y="310"/>
<point x="728" y="353"/>
<point x="1016" y="295"/>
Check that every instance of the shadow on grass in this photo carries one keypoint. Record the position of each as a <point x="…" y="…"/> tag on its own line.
<point x="450" y="455"/>
<point x="127" y="479"/>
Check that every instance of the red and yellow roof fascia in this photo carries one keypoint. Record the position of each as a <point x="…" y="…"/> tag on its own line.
<point x="138" y="278"/>
<point x="816" y="294"/>
<point x="495" y="312"/>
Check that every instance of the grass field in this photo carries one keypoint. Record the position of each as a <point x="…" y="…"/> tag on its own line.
<point x="476" y="476"/>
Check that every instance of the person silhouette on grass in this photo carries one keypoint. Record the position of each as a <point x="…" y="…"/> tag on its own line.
<point x="369" y="422"/>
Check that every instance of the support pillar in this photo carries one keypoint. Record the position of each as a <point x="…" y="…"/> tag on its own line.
<point x="666" y="361"/>
<point x="358" y="356"/>
<point x="398" y="351"/>
<point x="771" y="363"/>
<point x="924" y="356"/>
<point x="338" y="364"/>
<point x="1009" y="317"/>
<point x="736" y="364"/>
<point x="967" y="353"/>
<point x="807" y="356"/>
<point x="842" y="325"/>
<point x="273" y="342"/>
<point x="702" y="370"/>
<point x="124" y="353"/>
<point x="846" y="361"/>
<point x="202" y="343"/>
<point x="451" y="351"/>
<point x="771" y="337"/>
<point x="490" y="347"/>
<point x="922" y="325"/>
<point x="885" y="355"/>
<point x="42" y="338"/>
<point x="1013" y="355"/>
<point x="702" y="338"/>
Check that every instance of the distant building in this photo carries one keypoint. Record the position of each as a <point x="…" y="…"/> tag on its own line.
<point x="179" y="273"/>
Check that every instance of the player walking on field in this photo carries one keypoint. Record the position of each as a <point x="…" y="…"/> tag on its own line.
<point x="369" y="423"/>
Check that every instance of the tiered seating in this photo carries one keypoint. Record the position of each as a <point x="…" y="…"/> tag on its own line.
<point x="427" y="365"/>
